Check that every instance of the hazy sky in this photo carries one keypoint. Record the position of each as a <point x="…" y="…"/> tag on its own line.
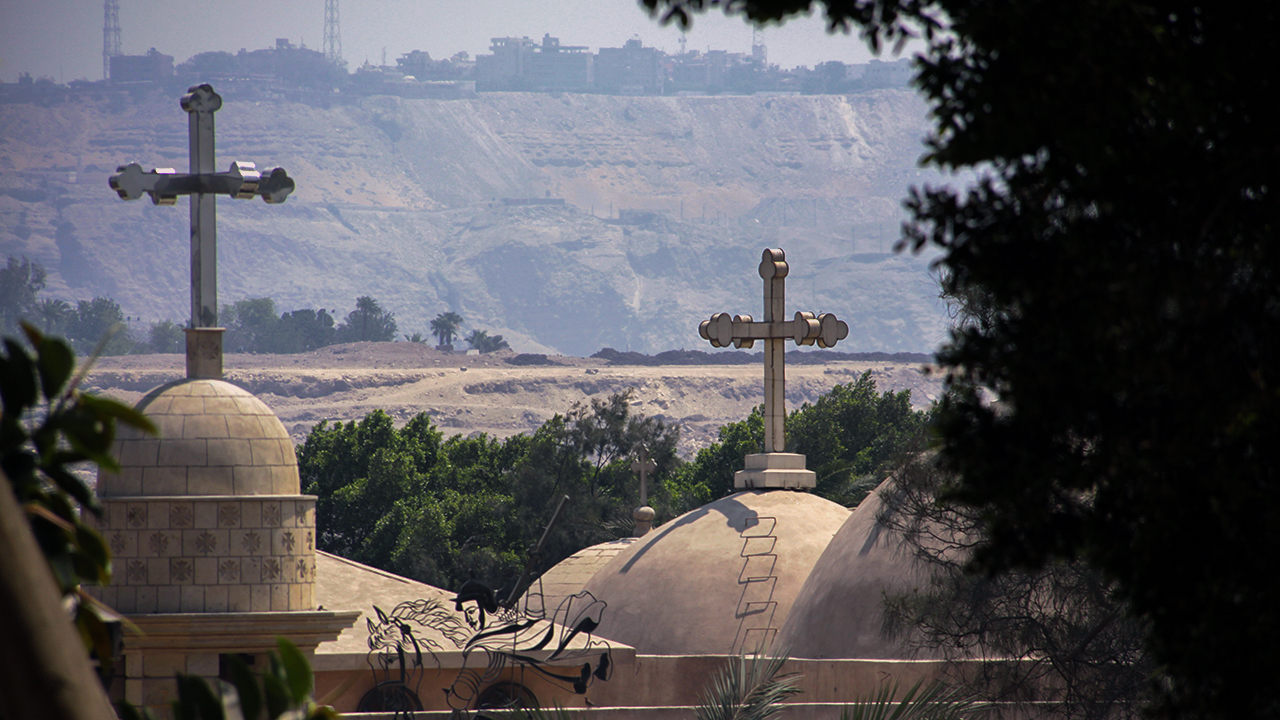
<point x="62" y="39"/>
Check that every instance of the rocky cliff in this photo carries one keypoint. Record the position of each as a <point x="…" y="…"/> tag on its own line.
<point x="403" y="200"/>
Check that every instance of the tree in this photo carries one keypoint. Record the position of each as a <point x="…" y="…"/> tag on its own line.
<point x="53" y="317"/>
<point x="20" y="282"/>
<point x="851" y="438"/>
<point x="367" y="323"/>
<point x="252" y="325"/>
<point x="445" y="326"/>
<point x="1083" y="654"/>
<point x="1123" y="230"/>
<point x="47" y="426"/>
<point x="444" y="511"/>
<point x="305" y="330"/>
<point x="166" y="336"/>
<point x="486" y="343"/>
<point x="99" y="321"/>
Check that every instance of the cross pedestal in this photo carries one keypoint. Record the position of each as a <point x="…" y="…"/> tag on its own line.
<point x="774" y="468"/>
<point x="242" y="182"/>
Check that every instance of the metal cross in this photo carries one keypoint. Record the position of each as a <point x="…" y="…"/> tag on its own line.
<point x="643" y="465"/>
<point x="242" y="182"/>
<point x="804" y="328"/>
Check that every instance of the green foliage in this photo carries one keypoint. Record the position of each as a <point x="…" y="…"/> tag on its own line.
<point x="850" y="438"/>
<point x="748" y="689"/>
<point x="367" y="323"/>
<point x="445" y="326"/>
<point x="46" y="427"/>
<point x="1085" y="654"/>
<point x="282" y="690"/>
<point x="937" y="701"/>
<point x="304" y="330"/>
<point x="444" y="511"/>
<point x="53" y="317"/>
<point x="98" y="327"/>
<point x="166" y="337"/>
<point x="20" y="282"/>
<point x="486" y="343"/>
<point x="253" y="326"/>
<point x="1122" y="243"/>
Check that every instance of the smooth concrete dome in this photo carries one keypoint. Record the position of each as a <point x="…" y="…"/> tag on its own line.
<point x="839" y="613"/>
<point x="717" y="580"/>
<point x="215" y="439"/>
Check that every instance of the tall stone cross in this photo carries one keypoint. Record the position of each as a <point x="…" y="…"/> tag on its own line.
<point x="643" y="515"/>
<point x="242" y="182"/>
<point x="774" y="467"/>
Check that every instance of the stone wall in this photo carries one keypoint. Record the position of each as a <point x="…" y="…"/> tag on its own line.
<point x="210" y="554"/>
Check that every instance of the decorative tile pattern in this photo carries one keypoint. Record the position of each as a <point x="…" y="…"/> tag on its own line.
<point x="229" y="515"/>
<point x="271" y="514"/>
<point x="181" y="516"/>
<point x="229" y="571"/>
<point x="136" y="572"/>
<point x="180" y="570"/>
<point x="210" y="555"/>
<point x="206" y="543"/>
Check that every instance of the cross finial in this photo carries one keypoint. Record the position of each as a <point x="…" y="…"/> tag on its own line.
<point x="774" y="467"/>
<point x="644" y="514"/>
<point x="243" y="181"/>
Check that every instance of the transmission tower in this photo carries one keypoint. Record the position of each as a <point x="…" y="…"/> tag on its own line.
<point x="332" y="34"/>
<point x="110" y="35"/>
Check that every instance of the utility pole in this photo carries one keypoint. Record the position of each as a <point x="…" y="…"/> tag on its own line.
<point x="332" y="33"/>
<point x="110" y="35"/>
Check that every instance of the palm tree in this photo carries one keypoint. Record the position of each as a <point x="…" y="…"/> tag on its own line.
<point x="445" y="326"/>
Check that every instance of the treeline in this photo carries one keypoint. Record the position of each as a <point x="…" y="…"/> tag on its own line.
<point x="444" y="511"/>
<point x="254" y="325"/>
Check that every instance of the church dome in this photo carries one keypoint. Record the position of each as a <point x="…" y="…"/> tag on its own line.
<point x="717" y="580"/>
<point x="839" y="613"/>
<point x="215" y="439"/>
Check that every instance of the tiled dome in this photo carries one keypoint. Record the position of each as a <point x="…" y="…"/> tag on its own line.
<point x="215" y="439"/>
<point x="718" y="580"/>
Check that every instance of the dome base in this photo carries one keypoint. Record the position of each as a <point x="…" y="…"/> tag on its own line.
<point x="775" y="470"/>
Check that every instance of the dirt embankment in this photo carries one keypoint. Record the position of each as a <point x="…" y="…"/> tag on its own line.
<point x="468" y="394"/>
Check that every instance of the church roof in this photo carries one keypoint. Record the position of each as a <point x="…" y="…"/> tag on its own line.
<point x="718" y="580"/>
<point x="215" y="439"/>
<point x="839" y="613"/>
<point x="571" y="575"/>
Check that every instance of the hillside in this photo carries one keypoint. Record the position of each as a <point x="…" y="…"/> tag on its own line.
<point x="400" y="199"/>
<point x="466" y="394"/>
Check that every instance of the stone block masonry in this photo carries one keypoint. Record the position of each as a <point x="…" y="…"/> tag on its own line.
<point x="192" y="554"/>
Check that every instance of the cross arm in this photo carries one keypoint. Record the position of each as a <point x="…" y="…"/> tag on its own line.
<point x="243" y="181"/>
<point x="741" y="331"/>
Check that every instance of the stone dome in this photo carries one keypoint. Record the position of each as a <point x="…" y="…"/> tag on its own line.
<point x="215" y="439"/>
<point x="839" y="613"/>
<point x="569" y="576"/>
<point x="717" y="580"/>
<point x="207" y="517"/>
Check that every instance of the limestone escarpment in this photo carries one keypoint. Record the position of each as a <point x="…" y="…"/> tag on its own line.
<point x="401" y="199"/>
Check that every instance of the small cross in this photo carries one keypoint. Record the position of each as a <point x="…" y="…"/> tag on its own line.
<point x="741" y="331"/>
<point x="643" y="465"/>
<point x="643" y="515"/>
<point x="242" y="182"/>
